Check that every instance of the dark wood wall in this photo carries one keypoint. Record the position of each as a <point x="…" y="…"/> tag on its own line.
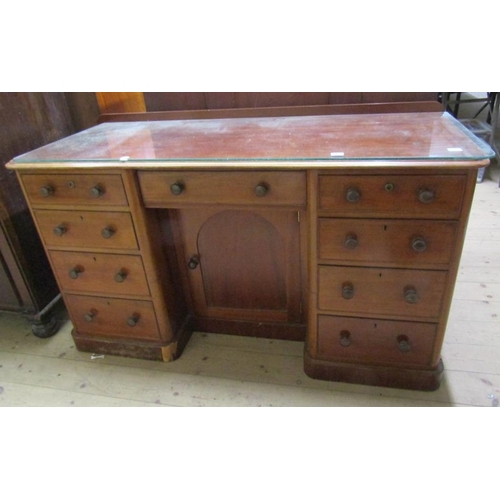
<point x="174" y="101"/>
<point x="140" y="102"/>
<point x="29" y="120"/>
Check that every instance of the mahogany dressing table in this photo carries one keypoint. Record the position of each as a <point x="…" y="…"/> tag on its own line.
<point x="343" y="232"/>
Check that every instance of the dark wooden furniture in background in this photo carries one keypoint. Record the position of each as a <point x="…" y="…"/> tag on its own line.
<point x="343" y="230"/>
<point x="30" y="120"/>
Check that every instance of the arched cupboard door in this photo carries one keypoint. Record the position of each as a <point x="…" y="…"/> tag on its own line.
<point x="242" y="264"/>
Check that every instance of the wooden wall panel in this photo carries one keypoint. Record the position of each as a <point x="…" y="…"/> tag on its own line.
<point x="399" y="96"/>
<point x="177" y="101"/>
<point x="174" y="101"/>
<point x="83" y="109"/>
<point x="121" y="102"/>
<point x="29" y="120"/>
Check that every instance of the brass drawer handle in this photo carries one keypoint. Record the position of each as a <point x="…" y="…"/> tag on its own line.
<point x="353" y="195"/>
<point x="46" y="191"/>
<point x="411" y="296"/>
<point x="60" y="230"/>
<point x="89" y="317"/>
<point x="419" y="244"/>
<point x="345" y="338"/>
<point x="177" y="188"/>
<point x="426" y="196"/>
<point x="107" y="232"/>
<point x="404" y="344"/>
<point x="133" y="319"/>
<point x="97" y="191"/>
<point x="75" y="272"/>
<point x="120" y="276"/>
<point x="351" y="241"/>
<point x="347" y="291"/>
<point x="261" y="190"/>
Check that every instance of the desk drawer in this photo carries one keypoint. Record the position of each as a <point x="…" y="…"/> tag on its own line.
<point x="386" y="241"/>
<point x="164" y="189"/>
<point x="100" y="273"/>
<point x="380" y="291"/>
<point x="75" y="189"/>
<point x="375" y="341"/>
<point x="86" y="229"/>
<point x="410" y="196"/>
<point x="113" y="317"/>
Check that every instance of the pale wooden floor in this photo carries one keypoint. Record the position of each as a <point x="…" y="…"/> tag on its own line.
<point x="219" y="370"/>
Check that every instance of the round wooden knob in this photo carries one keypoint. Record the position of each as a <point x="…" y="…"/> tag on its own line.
<point x="120" y="276"/>
<point x="345" y="338"/>
<point x="107" y="232"/>
<point x="351" y="241"/>
<point x="419" y="244"/>
<point x="46" y="191"/>
<point x="261" y="190"/>
<point x="411" y="296"/>
<point x="352" y="195"/>
<point x="426" y="196"/>
<point x="177" y="188"/>
<point x="96" y="191"/>
<point x="75" y="272"/>
<point x="59" y="230"/>
<point x="89" y="317"/>
<point x="133" y="319"/>
<point x="193" y="263"/>
<point x="403" y="343"/>
<point x="348" y="291"/>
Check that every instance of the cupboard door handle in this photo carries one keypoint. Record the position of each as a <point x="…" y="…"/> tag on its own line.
<point x="261" y="190"/>
<point x="411" y="296"/>
<point x="193" y="263"/>
<point x="89" y="317"/>
<point x="403" y="343"/>
<point x="177" y="188"/>
<point x="60" y="230"/>
<point x="351" y="241"/>
<point x="348" y="291"/>
<point x="46" y="191"/>
<point x="345" y="338"/>
<point x="107" y="232"/>
<point x="75" y="272"/>
<point x="120" y="276"/>
<point x="419" y="244"/>
<point x="389" y="186"/>
<point x="426" y="196"/>
<point x="133" y="319"/>
<point x="353" y="195"/>
<point x="97" y="191"/>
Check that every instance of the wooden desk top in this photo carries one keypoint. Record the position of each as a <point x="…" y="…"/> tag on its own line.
<point x="391" y="139"/>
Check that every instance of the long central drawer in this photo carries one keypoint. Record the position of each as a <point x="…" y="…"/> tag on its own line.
<point x="164" y="189"/>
